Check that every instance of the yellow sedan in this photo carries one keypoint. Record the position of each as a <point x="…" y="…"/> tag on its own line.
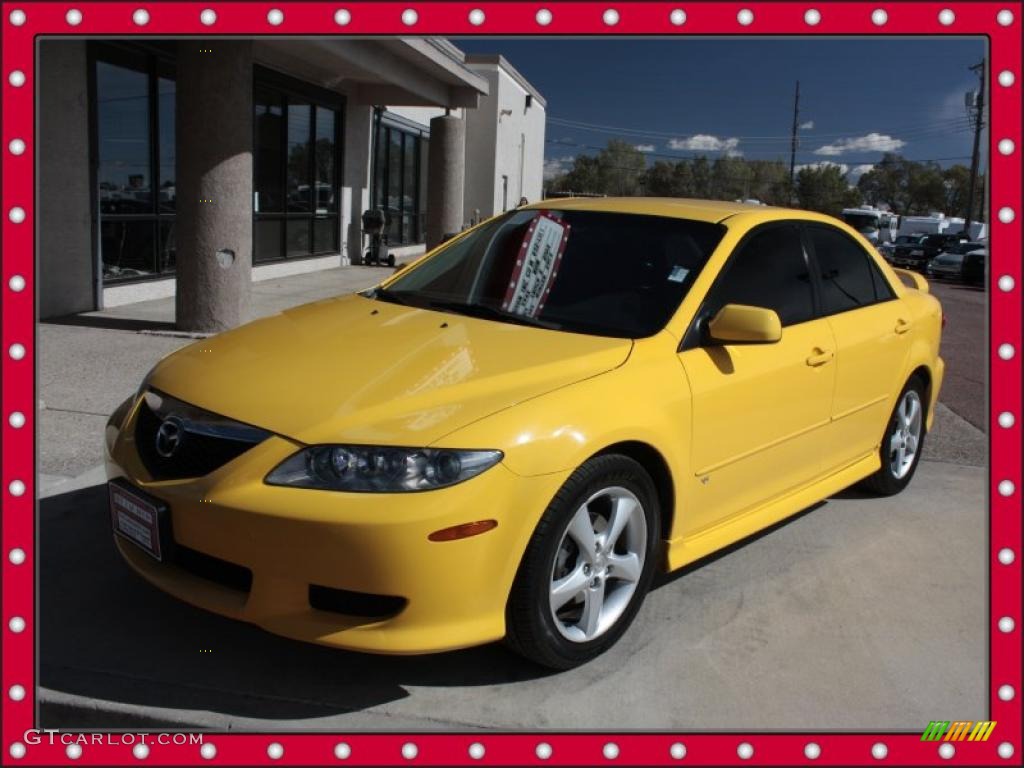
<point x="509" y="438"/>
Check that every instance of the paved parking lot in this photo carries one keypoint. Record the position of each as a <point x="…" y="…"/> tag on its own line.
<point x="828" y="621"/>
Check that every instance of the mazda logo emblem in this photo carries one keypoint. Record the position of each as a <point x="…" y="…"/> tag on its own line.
<point x="169" y="436"/>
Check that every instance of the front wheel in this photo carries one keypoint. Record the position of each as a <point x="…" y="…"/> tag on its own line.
<point x="902" y="443"/>
<point x="588" y="565"/>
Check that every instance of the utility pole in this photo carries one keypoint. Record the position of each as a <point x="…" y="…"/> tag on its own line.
<point x="978" y="125"/>
<point x="792" y="151"/>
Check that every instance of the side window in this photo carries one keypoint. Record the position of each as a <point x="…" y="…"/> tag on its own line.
<point x="849" y="279"/>
<point x="769" y="271"/>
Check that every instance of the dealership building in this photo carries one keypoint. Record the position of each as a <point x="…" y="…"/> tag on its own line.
<point x="194" y="167"/>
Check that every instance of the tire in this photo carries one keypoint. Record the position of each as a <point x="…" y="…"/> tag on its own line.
<point x="391" y="259"/>
<point x="890" y="480"/>
<point x="571" y="635"/>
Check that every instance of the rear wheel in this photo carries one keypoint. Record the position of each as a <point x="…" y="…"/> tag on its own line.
<point x="902" y="443"/>
<point x="588" y="565"/>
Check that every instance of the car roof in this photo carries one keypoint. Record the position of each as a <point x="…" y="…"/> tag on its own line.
<point x="677" y="207"/>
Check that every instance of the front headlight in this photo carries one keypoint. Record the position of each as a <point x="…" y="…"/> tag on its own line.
<point x="380" y="469"/>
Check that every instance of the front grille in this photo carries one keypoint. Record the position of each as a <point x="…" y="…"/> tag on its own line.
<point x="206" y="441"/>
<point x="212" y="568"/>
<point x="354" y="603"/>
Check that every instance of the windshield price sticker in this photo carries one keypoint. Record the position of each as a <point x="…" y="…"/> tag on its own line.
<point x="536" y="266"/>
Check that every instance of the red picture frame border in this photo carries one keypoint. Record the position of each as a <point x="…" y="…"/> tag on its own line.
<point x="513" y="18"/>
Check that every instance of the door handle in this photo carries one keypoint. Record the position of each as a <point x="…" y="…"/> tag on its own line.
<point x="820" y="357"/>
<point x="902" y="326"/>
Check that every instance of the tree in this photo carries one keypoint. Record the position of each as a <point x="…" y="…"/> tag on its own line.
<point x="824" y="189"/>
<point x="620" y="166"/>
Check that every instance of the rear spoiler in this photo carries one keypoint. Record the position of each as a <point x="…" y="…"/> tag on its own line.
<point x="911" y="279"/>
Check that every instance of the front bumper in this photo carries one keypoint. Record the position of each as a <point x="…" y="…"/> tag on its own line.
<point x="454" y="591"/>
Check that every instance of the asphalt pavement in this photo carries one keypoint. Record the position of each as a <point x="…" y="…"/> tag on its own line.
<point x="827" y="621"/>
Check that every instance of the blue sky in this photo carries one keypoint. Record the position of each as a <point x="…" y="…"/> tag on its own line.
<point x="682" y="97"/>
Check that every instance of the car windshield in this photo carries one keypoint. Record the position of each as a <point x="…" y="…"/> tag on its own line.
<point x="862" y="222"/>
<point x="594" y="272"/>
<point x="908" y="239"/>
<point x="962" y="248"/>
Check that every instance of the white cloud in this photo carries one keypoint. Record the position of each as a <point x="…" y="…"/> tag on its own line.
<point x="702" y="142"/>
<point x="873" y="142"/>
<point x="556" y="166"/>
<point x="843" y="167"/>
<point x="644" y="147"/>
<point x="808" y="126"/>
<point x="854" y="174"/>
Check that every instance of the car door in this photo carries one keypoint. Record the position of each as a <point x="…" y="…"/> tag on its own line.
<point x="870" y="325"/>
<point x="760" y="411"/>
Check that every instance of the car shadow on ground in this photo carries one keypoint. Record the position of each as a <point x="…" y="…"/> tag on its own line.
<point x="105" y="633"/>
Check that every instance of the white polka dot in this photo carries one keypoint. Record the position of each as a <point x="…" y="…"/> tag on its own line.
<point x="73" y="17"/>
<point x="812" y="751"/>
<point x="1006" y="488"/>
<point x="342" y="751"/>
<point x="17" y="17"/>
<point x="275" y="16"/>
<point x="17" y="625"/>
<point x="17" y="556"/>
<point x="1006" y="283"/>
<point x="16" y="419"/>
<point x="677" y="751"/>
<point x="812" y="17"/>
<point x="1006" y="146"/>
<point x="745" y="751"/>
<point x="208" y="17"/>
<point x="1006" y="78"/>
<point x="476" y="17"/>
<point x="1005" y="17"/>
<point x="409" y="17"/>
<point x="610" y="17"/>
<point x="610" y="751"/>
<point x="17" y="351"/>
<point x="16" y="214"/>
<point x="1006" y="556"/>
<point x="275" y="751"/>
<point x="745" y="17"/>
<point x="1006" y="420"/>
<point x="16" y="146"/>
<point x="1006" y="692"/>
<point x="476" y="750"/>
<point x="1006" y="215"/>
<point x="73" y="751"/>
<point x="208" y="751"/>
<point x="1006" y="625"/>
<point x="17" y="750"/>
<point x="16" y="283"/>
<point x="946" y="751"/>
<point x="410" y="750"/>
<point x="544" y="17"/>
<point x="17" y="488"/>
<point x="543" y="750"/>
<point x="879" y="17"/>
<point x="342" y="17"/>
<point x="1005" y="750"/>
<point x="16" y="78"/>
<point x="141" y="17"/>
<point x="879" y="751"/>
<point x="140" y="751"/>
<point x="946" y="17"/>
<point x="1006" y="351"/>
<point x="17" y="692"/>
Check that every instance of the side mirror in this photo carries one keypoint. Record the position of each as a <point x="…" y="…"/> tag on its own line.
<point x="742" y="324"/>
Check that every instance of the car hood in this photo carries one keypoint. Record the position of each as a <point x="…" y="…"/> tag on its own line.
<point x="358" y="370"/>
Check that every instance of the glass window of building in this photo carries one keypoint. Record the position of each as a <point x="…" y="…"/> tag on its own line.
<point x="399" y="181"/>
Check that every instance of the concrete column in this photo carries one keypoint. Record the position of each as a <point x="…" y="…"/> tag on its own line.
<point x="214" y="184"/>
<point x="67" y="275"/>
<point x="446" y="173"/>
<point x="356" y="183"/>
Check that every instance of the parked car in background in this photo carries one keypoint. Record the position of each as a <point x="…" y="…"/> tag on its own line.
<point x="973" y="270"/>
<point x="917" y="255"/>
<point x="888" y="249"/>
<point x="949" y="263"/>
